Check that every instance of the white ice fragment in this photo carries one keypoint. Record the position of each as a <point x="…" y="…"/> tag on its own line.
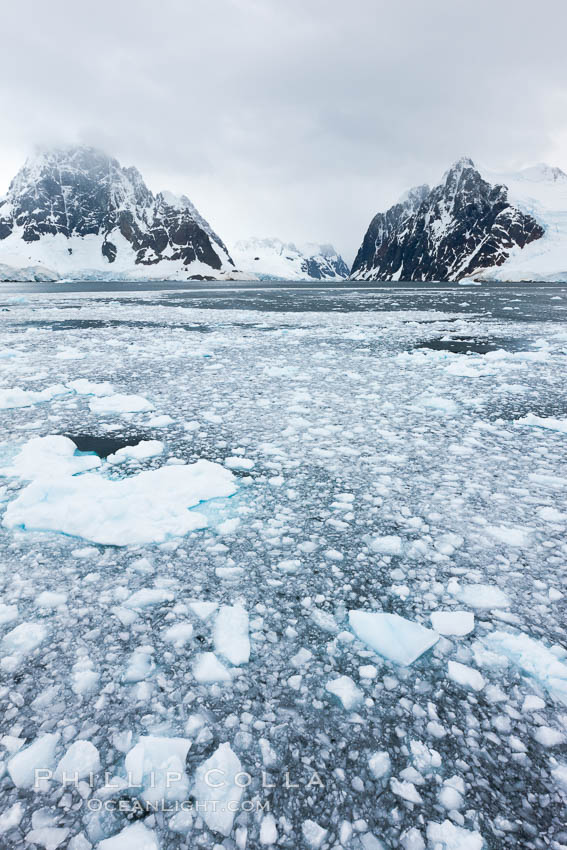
<point x="16" y="397"/>
<point x="453" y="623"/>
<point x="534" y="658"/>
<point x="203" y="610"/>
<point x="346" y="691"/>
<point x="405" y="790"/>
<point x="379" y="764"/>
<point x="82" y="386"/>
<point x="547" y="736"/>
<point x="50" y="599"/>
<point x="48" y="837"/>
<point x="412" y="839"/>
<point x="40" y="754"/>
<point x="208" y="669"/>
<point x="389" y="544"/>
<point x="49" y="458"/>
<point x="301" y="657"/>
<point x="313" y="834"/>
<point x="268" y="830"/>
<point x="549" y="422"/>
<point x="451" y="837"/>
<point x="10" y="818"/>
<point x="141" y="451"/>
<point x="466" y="676"/>
<point x="370" y="842"/>
<point x="559" y="774"/>
<point x="218" y="788"/>
<point x="438" y="403"/>
<point x="238" y="463"/>
<point x="392" y="636"/>
<point x="481" y="596"/>
<point x="140" y="664"/>
<point x="8" y="613"/>
<point x="80" y="759"/>
<point x="135" y="837"/>
<point x="149" y="596"/>
<point x="519" y="537"/>
<point x="367" y="671"/>
<point x="24" y="638"/>
<point x="533" y="703"/>
<point x="179" y="634"/>
<point x="230" y="634"/>
<point x="157" y="765"/>
<point x="120" y="403"/>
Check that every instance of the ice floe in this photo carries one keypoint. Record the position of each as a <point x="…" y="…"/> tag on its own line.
<point x="146" y="508"/>
<point x="218" y="786"/>
<point x="533" y="658"/>
<point x="453" y="623"/>
<point x="392" y="636"/>
<point x="230" y="634"/>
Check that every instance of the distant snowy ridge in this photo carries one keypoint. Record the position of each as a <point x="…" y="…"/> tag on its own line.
<point x="77" y="213"/>
<point x="272" y="259"/>
<point x="481" y="225"/>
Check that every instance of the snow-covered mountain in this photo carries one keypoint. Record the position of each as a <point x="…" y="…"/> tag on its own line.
<point x="77" y="213"/>
<point x="482" y="225"/>
<point x="272" y="259"/>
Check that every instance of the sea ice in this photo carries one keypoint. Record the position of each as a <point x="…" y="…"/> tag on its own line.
<point x="549" y="422"/>
<point x="203" y="610"/>
<point x="24" y="638"/>
<point x="80" y="759"/>
<point x="451" y="837"/>
<point x="379" y="764"/>
<point x="179" y="634"/>
<point x="48" y="837"/>
<point x="313" y="834"/>
<point x="389" y="544"/>
<point x="134" y="837"/>
<point x="466" y="676"/>
<point x="230" y="634"/>
<point x="208" y="669"/>
<point x="141" y="451"/>
<point x="16" y="397"/>
<point x="83" y="386"/>
<point x="533" y="658"/>
<point x="50" y="457"/>
<point x="392" y="636"/>
<point x="157" y="765"/>
<point x="481" y="595"/>
<point x="346" y="691"/>
<point x="120" y="403"/>
<point x="239" y="463"/>
<point x="39" y="755"/>
<point x="218" y="789"/>
<point x="453" y="623"/>
<point x="10" y="818"/>
<point x="146" y="508"/>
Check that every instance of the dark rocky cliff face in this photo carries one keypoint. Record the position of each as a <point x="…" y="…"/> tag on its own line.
<point x="79" y="192"/>
<point x="460" y="227"/>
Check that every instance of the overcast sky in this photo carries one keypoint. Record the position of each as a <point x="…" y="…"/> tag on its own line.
<point x="290" y="118"/>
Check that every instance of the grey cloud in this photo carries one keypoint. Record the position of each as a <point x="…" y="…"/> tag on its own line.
<point x="288" y="118"/>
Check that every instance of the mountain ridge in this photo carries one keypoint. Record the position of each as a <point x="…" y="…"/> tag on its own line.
<point x="77" y="212"/>
<point x="273" y="259"/>
<point x="472" y="224"/>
